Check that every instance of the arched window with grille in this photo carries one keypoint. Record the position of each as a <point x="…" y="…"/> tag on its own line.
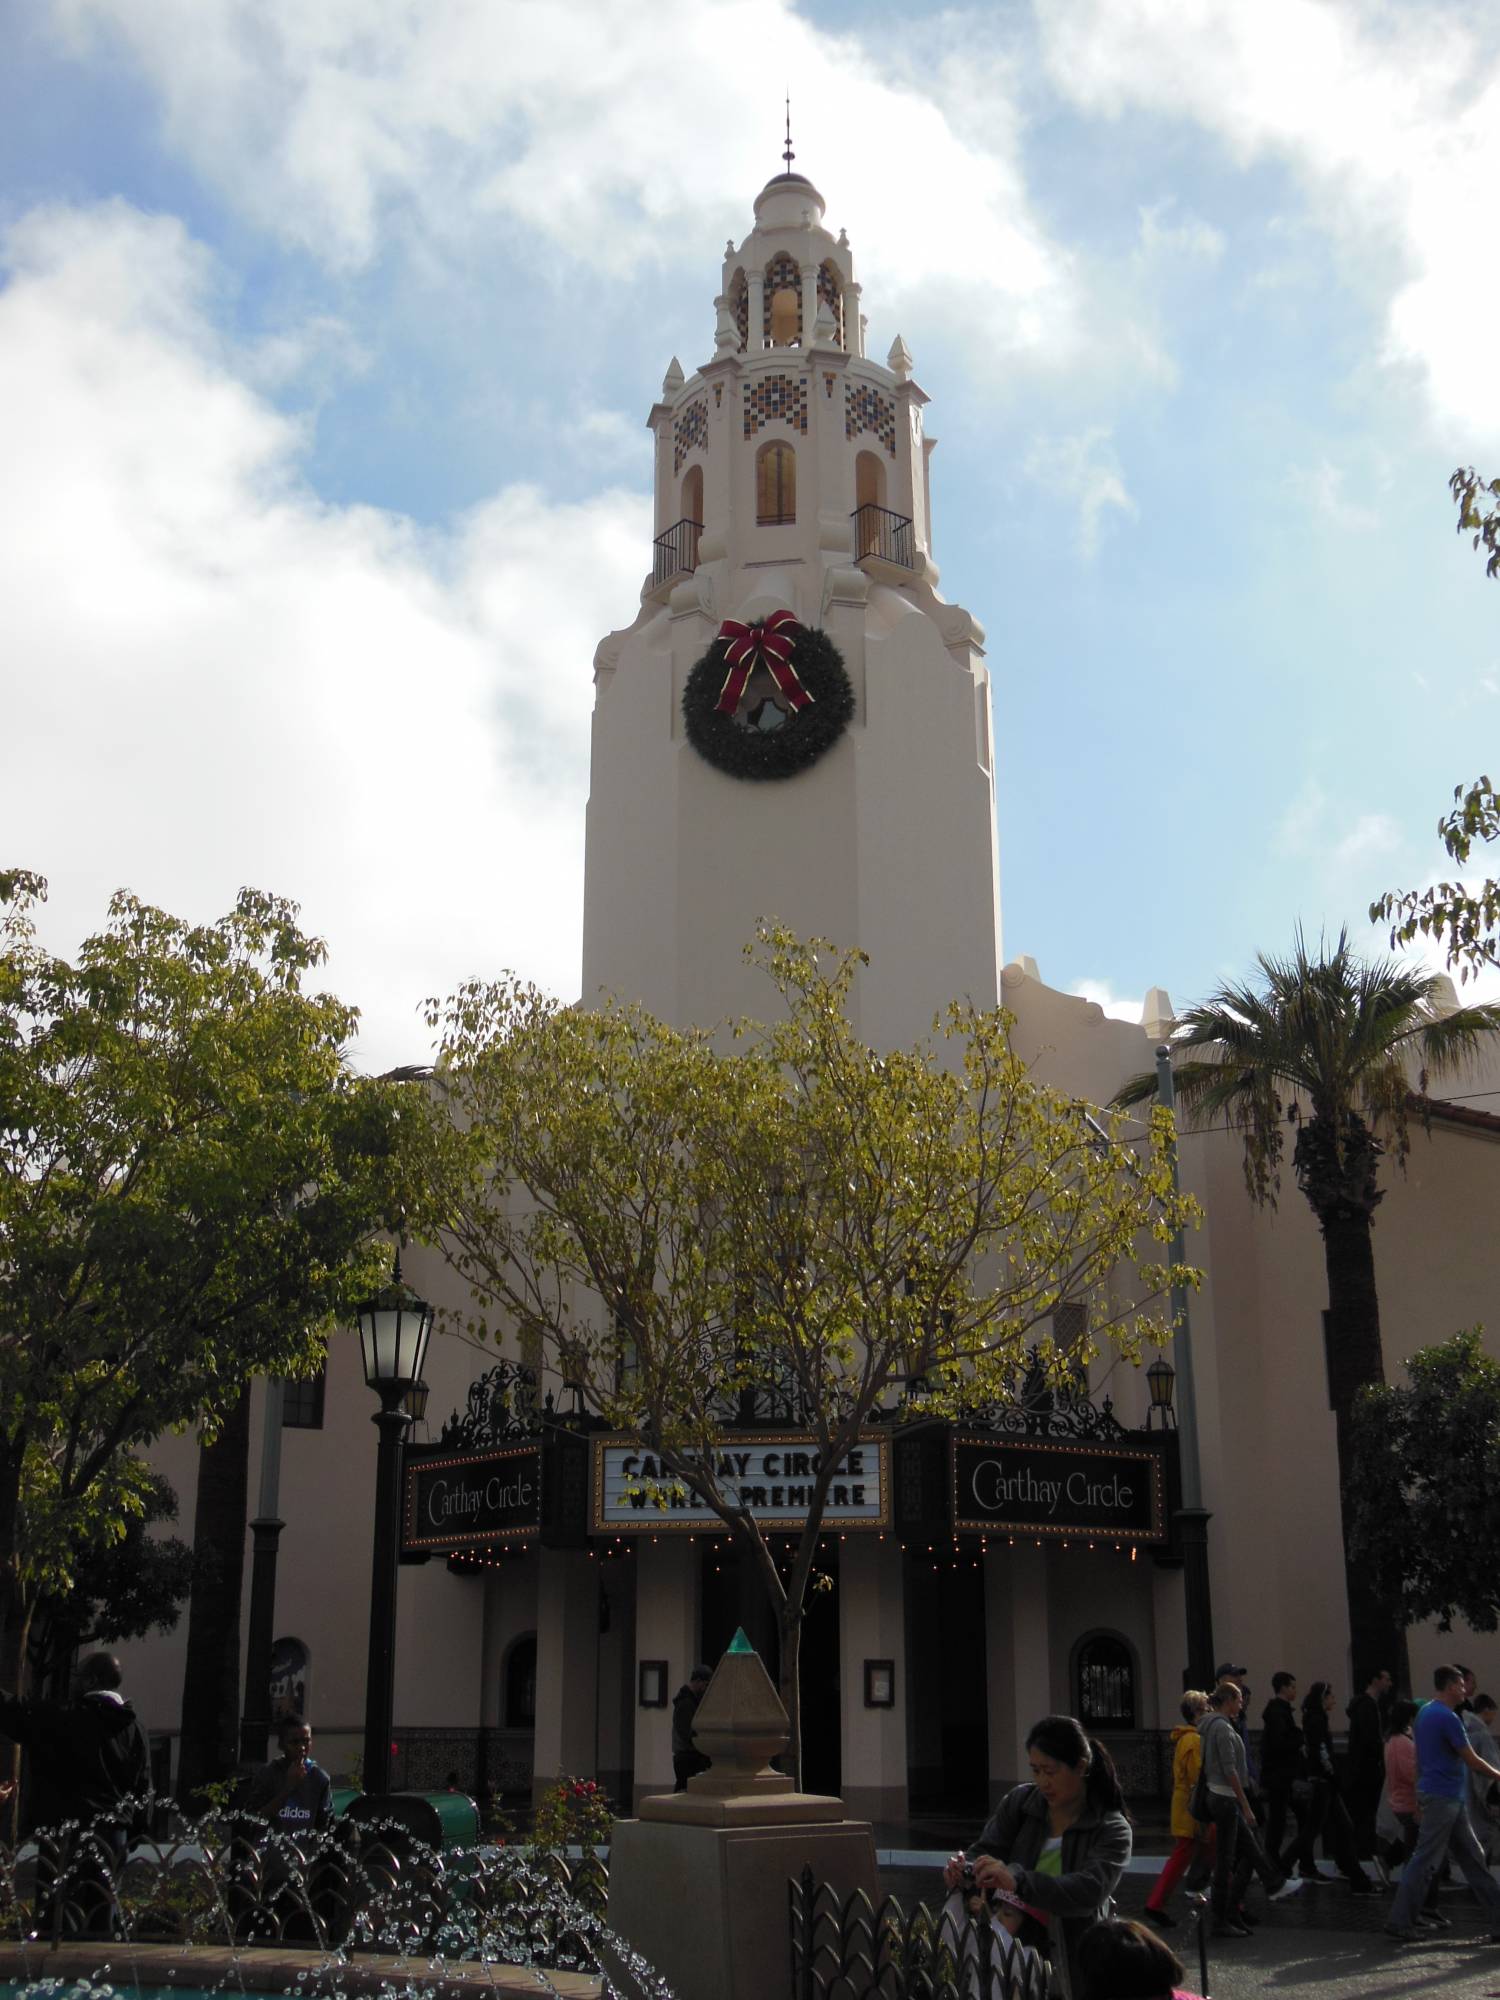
<point x="775" y="484"/>
<point x="1104" y="1677"/>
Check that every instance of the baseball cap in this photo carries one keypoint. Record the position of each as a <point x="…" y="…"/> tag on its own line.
<point x="1227" y="1671"/>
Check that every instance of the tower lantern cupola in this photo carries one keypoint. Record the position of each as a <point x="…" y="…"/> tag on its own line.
<point x="790" y="442"/>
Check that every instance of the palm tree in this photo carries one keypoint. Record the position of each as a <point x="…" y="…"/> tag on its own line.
<point x="1328" y="1046"/>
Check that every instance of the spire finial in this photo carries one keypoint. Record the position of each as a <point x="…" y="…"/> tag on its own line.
<point x="786" y="152"/>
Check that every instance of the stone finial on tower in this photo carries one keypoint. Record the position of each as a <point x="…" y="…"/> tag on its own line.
<point x="674" y="378"/>
<point x="1157" y="1017"/>
<point x="726" y="333"/>
<point x="899" y="360"/>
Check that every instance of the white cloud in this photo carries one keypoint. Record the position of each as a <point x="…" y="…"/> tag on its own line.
<point x="1083" y="469"/>
<point x="344" y="126"/>
<point x="1323" y="488"/>
<point x="214" y="677"/>
<point x="1371" y="835"/>
<point x="1168" y="234"/>
<point x="1390" y="117"/>
<point x="1115" y="1005"/>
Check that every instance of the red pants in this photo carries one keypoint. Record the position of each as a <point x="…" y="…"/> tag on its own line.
<point x="1176" y="1867"/>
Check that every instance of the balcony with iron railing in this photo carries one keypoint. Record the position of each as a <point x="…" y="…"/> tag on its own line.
<point x="884" y="535"/>
<point x="675" y="552"/>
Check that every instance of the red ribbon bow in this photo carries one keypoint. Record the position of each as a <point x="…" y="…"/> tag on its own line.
<point x="768" y="644"/>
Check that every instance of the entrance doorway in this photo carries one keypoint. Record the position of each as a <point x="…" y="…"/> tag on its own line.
<point x="948" y="1710"/>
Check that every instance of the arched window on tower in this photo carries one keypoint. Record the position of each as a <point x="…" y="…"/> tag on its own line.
<point x="1104" y="1673"/>
<point x="783" y="301"/>
<point x="692" y="495"/>
<point x="775" y="484"/>
<point x="869" y="499"/>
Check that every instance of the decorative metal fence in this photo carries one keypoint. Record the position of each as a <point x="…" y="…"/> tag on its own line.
<point x="851" y="1949"/>
<point x="229" y="1879"/>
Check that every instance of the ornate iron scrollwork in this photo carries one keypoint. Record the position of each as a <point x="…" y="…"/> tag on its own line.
<point x="1047" y="1410"/>
<point x="502" y="1409"/>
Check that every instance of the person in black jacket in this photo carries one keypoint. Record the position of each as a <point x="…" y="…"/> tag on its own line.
<point x="90" y="1771"/>
<point x="1283" y="1771"/>
<point x="1338" y="1829"/>
<point x="687" y="1758"/>
<point x="1365" y="1770"/>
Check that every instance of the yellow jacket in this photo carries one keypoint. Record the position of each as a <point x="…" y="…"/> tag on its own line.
<point x="1187" y="1758"/>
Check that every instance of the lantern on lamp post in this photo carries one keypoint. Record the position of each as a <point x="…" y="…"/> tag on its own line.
<point x="393" y="1331"/>
<point x="1161" y="1380"/>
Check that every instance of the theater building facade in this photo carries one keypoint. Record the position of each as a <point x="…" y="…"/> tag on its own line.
<point x="981" y="1574"/>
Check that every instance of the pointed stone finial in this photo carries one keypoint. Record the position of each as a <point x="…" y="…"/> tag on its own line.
<point x="899" y="359"/>
<point x="786" y="152"/>
<point x="674" y="377"/>
<point x="1157" y="1017"/>
<point x="843" y="239"/>
<point x="1444" y="995"/>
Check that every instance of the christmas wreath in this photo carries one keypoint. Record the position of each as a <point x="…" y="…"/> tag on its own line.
<point x="804" y="710"/>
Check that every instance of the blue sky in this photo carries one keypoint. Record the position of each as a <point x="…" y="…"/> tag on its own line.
<point x="327" y="333"/>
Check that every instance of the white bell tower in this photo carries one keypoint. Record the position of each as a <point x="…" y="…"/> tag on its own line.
<point x="792" y="476"/>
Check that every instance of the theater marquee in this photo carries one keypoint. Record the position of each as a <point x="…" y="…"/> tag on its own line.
<point x="771" y="1473"/>
<point x="460" y="1500"/>
<point x="1103" y="1492"/>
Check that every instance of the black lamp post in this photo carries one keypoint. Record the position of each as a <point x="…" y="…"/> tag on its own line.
<point x="393" y="1331"/>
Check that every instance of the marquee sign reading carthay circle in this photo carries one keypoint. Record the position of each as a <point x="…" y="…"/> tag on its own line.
<point x="1002" y="1485"/>
<point x="457" y="1500"/>
<point x="771" y="1473"/>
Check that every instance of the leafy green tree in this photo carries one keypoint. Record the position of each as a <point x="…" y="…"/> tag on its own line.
<point x="1327" y="1047"/>
<point x="1462" y="919"/>
<point x="122" y="1587"/>
<point x="190" y="1179"/>
<point x="692" y="1228"/>
<point x="1478" y="502"/>
<point x="1426" y="1516"/>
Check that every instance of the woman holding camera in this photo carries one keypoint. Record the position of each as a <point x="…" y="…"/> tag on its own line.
<point x="1060" y="1843"/>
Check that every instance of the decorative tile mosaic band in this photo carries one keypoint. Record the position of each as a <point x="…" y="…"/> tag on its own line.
<point x="831" y="292"/>
<point x="689" y="433"/>
<point x="776" y="399"/>
<point x="739" y="305"/>
<point x="865" y="409"/>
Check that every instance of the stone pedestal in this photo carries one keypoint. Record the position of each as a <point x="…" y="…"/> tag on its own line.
<point x="707" y="1905"/>
<point x="698" y="1884"/>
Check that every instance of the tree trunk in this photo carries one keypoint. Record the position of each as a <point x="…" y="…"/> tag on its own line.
<point x="211" y="1678"/>
<point x="1377" y="1638"/>
<point x="791" y="1688"/>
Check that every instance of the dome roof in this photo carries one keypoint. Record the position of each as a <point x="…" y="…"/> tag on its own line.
<point x="783" y="199"/>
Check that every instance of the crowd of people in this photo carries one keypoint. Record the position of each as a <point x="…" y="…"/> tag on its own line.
<point x="1419" y="1790"/>
<point x="1418" y="1794"/>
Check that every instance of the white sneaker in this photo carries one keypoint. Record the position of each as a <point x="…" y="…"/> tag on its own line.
<point x="1292" y="1886"/>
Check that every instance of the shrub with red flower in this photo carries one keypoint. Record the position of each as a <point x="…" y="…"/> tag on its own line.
<point x="575" y="1812"/>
